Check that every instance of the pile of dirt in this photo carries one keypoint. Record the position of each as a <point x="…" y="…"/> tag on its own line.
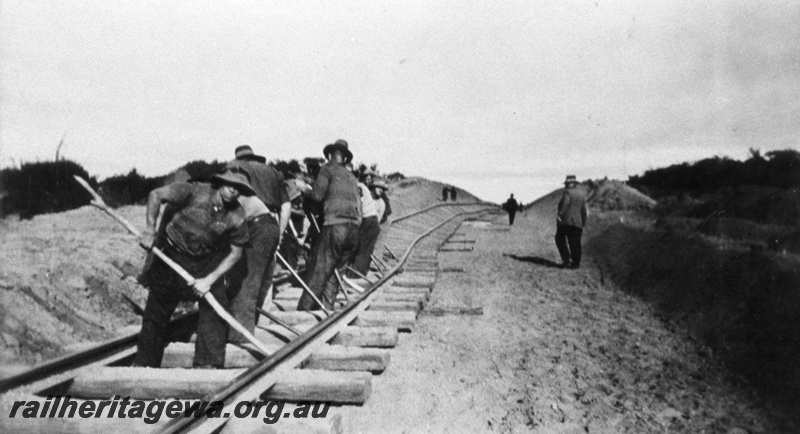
<point x="62" y="280"/>
<point x="415" y="193"/>
<point x="608" y="194"/>
<point x="603" y="195"/>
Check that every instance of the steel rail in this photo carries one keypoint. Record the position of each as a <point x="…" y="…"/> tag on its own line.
<point x="75" y="360"/>
<point x="438" y="205"/>
<point x="238" y="391"/>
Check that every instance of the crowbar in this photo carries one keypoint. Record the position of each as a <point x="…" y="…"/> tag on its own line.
<point x="97" y="202"/>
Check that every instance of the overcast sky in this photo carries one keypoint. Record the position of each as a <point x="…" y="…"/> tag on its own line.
<point x="493" y="96"/>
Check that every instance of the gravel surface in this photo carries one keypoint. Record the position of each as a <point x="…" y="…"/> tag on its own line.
<point x="555" y="351"/>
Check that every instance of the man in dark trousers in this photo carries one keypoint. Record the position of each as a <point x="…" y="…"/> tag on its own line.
<point x="571" y="220"/>
<point x="205" y="232"/>
<point x="511" y="207"/>
<point x="445" y="192"/>
<point x="267" y="214"/>
<point x="368" y="231"/>
<point x="453" y="194"/>
<point x="336" y="189"/>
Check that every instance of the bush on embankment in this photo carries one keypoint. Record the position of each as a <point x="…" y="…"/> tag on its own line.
<point x="42" y="188"/>
<point x="744" y="304"/>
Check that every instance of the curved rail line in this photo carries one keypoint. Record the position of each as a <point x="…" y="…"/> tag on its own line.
<point x="251" y="383"/>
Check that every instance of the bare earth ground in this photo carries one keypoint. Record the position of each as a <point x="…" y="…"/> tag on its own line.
<point x="556" y="351"/>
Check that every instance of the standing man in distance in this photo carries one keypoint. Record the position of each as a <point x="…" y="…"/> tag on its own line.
<point x="511" y="207"/>
<point x="337" y="191"/>
<point x="571" y="220"/>
<point x="267" y="214"/>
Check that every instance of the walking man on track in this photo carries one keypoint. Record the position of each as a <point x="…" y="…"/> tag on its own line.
<point x="571" y="220"/>
<point x="511" y="207"/>
<point x="368" y="231"/>
<point x="267" y="214"/>
<point x="336" y="189"/>
<point x="205" y="232"/>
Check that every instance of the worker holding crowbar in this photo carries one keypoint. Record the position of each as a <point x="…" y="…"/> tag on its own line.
<point x="204" y="234"/>
<point x="337" y="191"/>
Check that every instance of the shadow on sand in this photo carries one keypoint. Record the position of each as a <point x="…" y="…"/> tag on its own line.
<point x="534" y="260"/>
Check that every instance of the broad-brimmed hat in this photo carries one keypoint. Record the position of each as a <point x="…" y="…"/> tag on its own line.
<point x="379" y="184"/>
<point x="245" y="152"/>
<point x="340" y="145"/>
<point x="237" y="180"/>
<point x="571" y="179"/>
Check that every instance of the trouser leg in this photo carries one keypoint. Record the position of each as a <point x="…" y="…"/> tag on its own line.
<point x="323" y="264"/>
<point x="574" y="239"/>
<point x="561" y="243"/>
<point x="345" y="243"/>
<point x="511" y="218"/>
<point x="255" y="265"/>
<point x="212" y="330"/>
<point x="155" y="320"/>
<point x="368" y="234"/>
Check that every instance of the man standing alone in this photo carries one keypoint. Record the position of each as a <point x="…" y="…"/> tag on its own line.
<point x="337" y="190"/>
<point x="572" y="214"/>
<point x="511" y="206"/>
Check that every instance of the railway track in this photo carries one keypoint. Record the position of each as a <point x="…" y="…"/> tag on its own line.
<point x="316" y="357"/>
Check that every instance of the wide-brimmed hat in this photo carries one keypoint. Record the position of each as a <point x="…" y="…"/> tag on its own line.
<point x="245" y="152"/>
<point x="571" y="179"/>
<point x="379" y="184"/>
<point x="237" y="180"/>
<point x="340" y="145"/>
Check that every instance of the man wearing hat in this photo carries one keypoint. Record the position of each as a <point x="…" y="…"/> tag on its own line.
<point x="370" y="228"/>
<point x="205" y="232"/>
<point x="379" y="189"/>
<point x="292" y="246"/>
<point x="511" y="206"/>
<point x="572" y="214"/>
<point x="337" y="191"/>
<point x="267" y="214"/>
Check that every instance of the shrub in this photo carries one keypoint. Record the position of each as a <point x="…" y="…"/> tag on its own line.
<point x="43" y="187"/>
<point x="129" y="189"/>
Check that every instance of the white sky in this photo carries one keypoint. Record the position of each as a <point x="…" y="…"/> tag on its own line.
<point x="493" y="96"/>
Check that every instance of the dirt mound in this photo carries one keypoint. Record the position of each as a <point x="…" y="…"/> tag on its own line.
<point x="610" y="194"/>
<point x="605" y="194"/>
<point x="416" y="193"/>
<point x="62" y="281"/>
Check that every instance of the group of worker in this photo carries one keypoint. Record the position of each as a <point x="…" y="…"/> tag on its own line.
<point x="226" y="234"/>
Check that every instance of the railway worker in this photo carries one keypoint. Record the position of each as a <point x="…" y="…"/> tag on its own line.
<point x="571" y="220"/>
<point x="291" y="246"/>
<point x="267" y="214"/>
<point x="511" y="207"/>
<point x="337" y="190"/>
<point x="453" y="194"/>
<point x="369" y="230"/>
<point x="205" y="233"/>
<point x="445" y="193"/>
<point x="379" y="189"/>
